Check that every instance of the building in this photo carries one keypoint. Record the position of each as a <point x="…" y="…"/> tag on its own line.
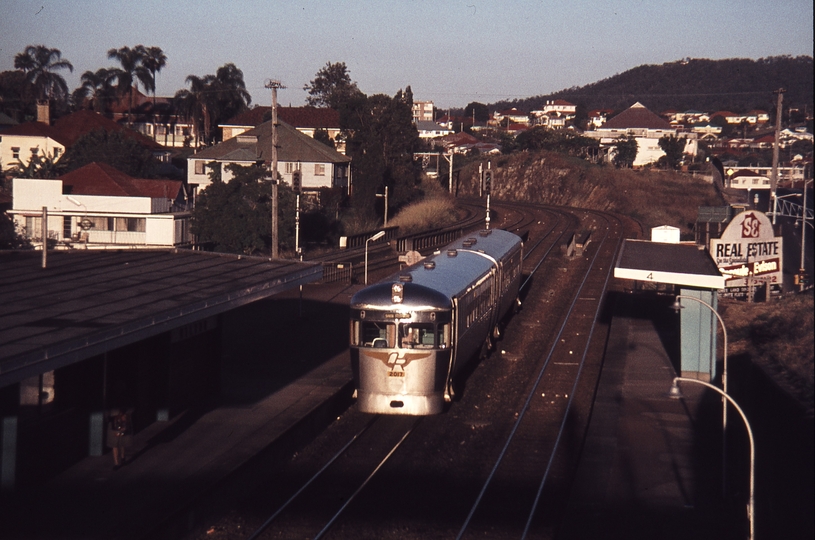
<point x="423" y="111"/>
<point x="320" y="166"/>
<point x="306" y="120"/>
<point x="431" y="130"/>
<point x="20" y="143"/>
<point x="646" y="128"/>
<point x="99" y="207"/>
<point x="555" y="114"/>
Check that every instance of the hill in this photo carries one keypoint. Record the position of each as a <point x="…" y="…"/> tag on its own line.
<point x="736" y="84"/>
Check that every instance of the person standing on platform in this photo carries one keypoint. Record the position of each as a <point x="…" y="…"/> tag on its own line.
<point x="119" y="436"/>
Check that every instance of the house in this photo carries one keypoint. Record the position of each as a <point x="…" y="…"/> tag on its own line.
<point x="747" y="179"/>
<point x="423" y="111"/>
<point x="100" y="207"/>
<point x="19" y="143"/>
<point x="646" y="128"/>
<point x="509" y="116"/>
<point x="431" y="130"/>
<point x="156" y="118"/>
<point x="555" y="114"/>
<point x="320" y="166"/>
<point x="306" y="120"/>
<point x="598" y="117"/>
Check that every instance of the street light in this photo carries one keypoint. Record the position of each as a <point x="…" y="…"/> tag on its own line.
<point x="374" y="238"/>
<point x="675" y="393"/>
<point x="677" y="305"/>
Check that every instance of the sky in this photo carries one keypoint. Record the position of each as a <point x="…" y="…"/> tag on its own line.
<point x="451" y="52"/>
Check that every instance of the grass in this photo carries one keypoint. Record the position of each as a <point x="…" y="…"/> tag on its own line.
<point x="428" y="213"/>
<point x="779" y="337"/>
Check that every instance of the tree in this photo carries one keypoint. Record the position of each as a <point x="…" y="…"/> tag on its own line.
<point x="332" y="87"/>
<point x="213" y="99"/>
<point x="230" y="92"/>
<point x="40" y="65"/>
<point x="477" y="111"/>
<point x="133" y="71"/>
<point x="235" y="216"/>
<point x="674" y="148"/>
<point x="17" y="98"/>
<point x="152" y="58"/>
<point x="97" y="86"/>
<point x="381" y="140"/>
<point x="38" y="167"/>
<point x="626" y="152"/>
<point x="195" y="103"/>
<point x="114" y="148"/>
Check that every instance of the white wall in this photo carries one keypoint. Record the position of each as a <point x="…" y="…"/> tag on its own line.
<point x="25" y="143"/>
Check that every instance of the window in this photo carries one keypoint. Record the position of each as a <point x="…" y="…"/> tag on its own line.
<point x="34" y="151"/>
<point x="131" y="224"/>
<point x="319" y="169"/>
<point x="417" y="336"/>
<point x="289" y="167"/>
<point x="200" y="167"/>
<point x="66" y="226"/>
<point x="15" y="152"/>
<point x="57" y="152"/>
<point x="377" y="334"/>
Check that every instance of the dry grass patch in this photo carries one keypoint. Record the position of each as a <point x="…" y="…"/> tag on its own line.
<point x="779" y="337"/>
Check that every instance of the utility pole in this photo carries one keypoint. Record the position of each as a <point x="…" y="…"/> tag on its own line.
<point x="274" y="85"/>
<point x="774" y="176"/>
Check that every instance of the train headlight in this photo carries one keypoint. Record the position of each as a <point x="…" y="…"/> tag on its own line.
<point x="397" y="290"/>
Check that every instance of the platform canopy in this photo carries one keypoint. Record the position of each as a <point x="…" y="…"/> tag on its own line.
<point x="88" y="302"/>
<point x="689" y="265"/>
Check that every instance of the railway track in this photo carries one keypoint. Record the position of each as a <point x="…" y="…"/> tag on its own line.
<point x="499" y="461"/>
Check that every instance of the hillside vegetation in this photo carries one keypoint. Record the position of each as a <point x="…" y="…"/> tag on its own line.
<point x="735" y="84"/>
<point x="652" y="197"/>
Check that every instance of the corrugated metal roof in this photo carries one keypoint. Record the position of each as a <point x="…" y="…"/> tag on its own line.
<point x="292" y="146"/>
<point x="89" y="302"/>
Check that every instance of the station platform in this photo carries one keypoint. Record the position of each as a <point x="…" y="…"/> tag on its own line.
<point x="649" y="468"/>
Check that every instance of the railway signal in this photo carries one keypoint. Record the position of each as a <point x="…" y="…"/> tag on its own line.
<point x="488" y="182"/>
<point x="296" y="181"/>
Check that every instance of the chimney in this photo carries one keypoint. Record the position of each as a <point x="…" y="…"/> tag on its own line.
<point x="43" y="112"/>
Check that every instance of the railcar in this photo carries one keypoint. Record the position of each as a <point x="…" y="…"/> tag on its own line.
<point x="413" y="333"/>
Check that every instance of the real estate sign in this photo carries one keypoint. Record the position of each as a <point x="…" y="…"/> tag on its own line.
<point x="749" y="255"/>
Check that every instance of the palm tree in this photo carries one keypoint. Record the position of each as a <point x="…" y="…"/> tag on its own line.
<point x="132" y="72"/>
<point x="213" y="99"/>
<point x="196" y="103"/>
<point x="39" y="64"/>
<point x="98" y="86"/>
<point x="230" y="91"/>
<point x="153" y="58"/>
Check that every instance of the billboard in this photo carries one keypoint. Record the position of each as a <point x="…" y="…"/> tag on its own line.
<point x="749" y="255"/>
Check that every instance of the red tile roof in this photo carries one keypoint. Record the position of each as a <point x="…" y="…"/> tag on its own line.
<point x="80" y="123"/>
<point x="37" y="129"/>
<point x="102" y="179"/>
<point x="68" y="129"/>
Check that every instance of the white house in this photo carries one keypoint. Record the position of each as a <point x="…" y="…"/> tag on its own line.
<point x="555" y="114"/>
<point x="19" y="143"/>
<point x="646" y="128"/>
<point x="306" y="120"/>
<point x="431" y="130"/>
<point x="320" y="166"/>
<point x="99" y="207"/>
